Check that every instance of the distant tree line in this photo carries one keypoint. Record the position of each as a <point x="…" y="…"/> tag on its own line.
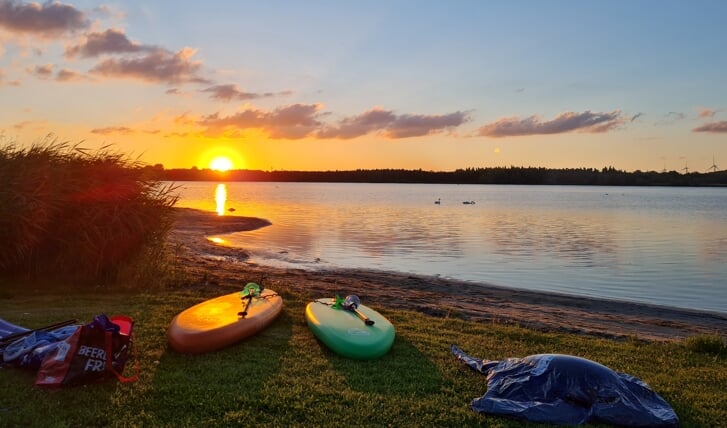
<point x="607" y="176"/>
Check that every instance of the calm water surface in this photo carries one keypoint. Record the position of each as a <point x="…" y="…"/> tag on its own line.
<point x="665" y="246"/>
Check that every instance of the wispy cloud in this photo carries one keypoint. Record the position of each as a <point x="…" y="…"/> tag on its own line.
<point x="636" y="116"/>
<point x="306" y="120"/>
<point x="356" y="126"/>
<point x="4" y="82"/>
<point x="392" y="125"/>
<point x="706" y="113"/>
<point x="123" y="130"/>
<point x="671" y="118"/>
<point x="49" y="19"/>
<point x="111" y="41"/>
<point x="233" y="92"/>
<point x="41" y="71"/>
<point x="66" y="75"/>
<point x="158" y="66"/>
<point x="289" y="122"/>
<point x="565" y="122"/>
<point x="713" y="127"/>
<point x="417" y="125"/>
<point x="47" y="71"/>
<point x="32" y="125"/>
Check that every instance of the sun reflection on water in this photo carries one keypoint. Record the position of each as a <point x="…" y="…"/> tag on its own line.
<point x="221" y="198"/>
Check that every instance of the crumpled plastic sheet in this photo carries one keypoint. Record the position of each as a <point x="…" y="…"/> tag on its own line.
<point x="8" y="328"/>
<point x="30" y="350"/>
<point x="564" y="389"/>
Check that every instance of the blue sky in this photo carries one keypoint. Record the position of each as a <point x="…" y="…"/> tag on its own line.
<point x="375" y="84"/>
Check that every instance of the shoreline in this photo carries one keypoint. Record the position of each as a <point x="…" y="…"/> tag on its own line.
<point x="213" y="264"/>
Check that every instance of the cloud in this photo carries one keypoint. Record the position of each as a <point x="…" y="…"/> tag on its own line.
<point x="675" y="116"/>
<point x="418" y="125"/>
<point x="671" y="118"/>
<point x="41" y="71"/>
<point x="46" y="72"/>
<point x="306" y="120"/>
<point x="4" y="82"/>
<point x="66" y="75"/>
<point x="50" y="19"/>
<point x="636" y="116"/>
<point x="712" y="127"/>
<point x="563" y="123"/>
<point x="392" y="125"/>
<point x="232" y="92"/>
<point x="290" y="122"/>
<point x="706" y="113"/>
<point x="38" y="126"/>
<point x="357" y="126"/>
<point x="110" y="41"/>
<point x="123" y="130"/>
<point x="158" y="66"/>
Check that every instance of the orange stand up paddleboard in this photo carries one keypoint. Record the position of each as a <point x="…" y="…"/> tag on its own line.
<point x="224" y="320"/>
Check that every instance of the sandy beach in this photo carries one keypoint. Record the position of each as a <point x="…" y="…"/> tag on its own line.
<point x="212" y="264"/>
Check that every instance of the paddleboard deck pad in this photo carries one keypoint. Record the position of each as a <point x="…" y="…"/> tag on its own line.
<point x="346" y="333"/>
<point x="222" y="321"/>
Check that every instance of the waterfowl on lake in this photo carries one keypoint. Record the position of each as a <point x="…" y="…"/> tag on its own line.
<point x="438" y="201"/>
<point x="468" y="202"/>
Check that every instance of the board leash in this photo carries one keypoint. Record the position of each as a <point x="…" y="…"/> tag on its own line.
<point x="252" y="290"/>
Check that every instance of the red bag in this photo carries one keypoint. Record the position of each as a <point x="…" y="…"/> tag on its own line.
<point x="95" y="352"/>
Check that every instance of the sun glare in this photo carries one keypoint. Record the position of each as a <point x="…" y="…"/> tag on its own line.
<point x="221" y="163"/>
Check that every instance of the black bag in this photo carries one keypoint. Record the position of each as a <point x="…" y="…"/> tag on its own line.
<point x="96" y="351"/>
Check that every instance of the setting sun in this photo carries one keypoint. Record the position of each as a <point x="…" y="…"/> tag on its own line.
<point x="221" y="163"/>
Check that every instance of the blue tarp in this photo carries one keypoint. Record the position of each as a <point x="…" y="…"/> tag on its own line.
<point x="30" y="349"/>
<point x="8" y="328"/>
<point x="564" y="389"/>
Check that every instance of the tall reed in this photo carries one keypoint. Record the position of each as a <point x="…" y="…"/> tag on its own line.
<point x="80" y="214"/>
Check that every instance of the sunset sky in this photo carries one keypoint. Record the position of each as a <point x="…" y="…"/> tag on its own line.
<point x="336" y="85"/>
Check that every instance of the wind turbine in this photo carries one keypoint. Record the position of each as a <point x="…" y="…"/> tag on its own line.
<point x="686" y="168"/>
<point x="714" y="166"/>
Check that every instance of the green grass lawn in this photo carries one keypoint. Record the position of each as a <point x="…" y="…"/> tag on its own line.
<point x="285" y="377"/>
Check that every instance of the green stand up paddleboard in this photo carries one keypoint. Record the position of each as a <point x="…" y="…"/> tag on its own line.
<point x="349" y="328"/>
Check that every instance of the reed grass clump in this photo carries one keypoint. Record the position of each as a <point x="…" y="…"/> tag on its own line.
<point x="712" y="344"/>
<point x="70" y="212"/>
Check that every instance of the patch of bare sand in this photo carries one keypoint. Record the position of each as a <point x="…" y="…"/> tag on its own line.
<point x="219" y="265"/>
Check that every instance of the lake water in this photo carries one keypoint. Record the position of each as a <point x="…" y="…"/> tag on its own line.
<point x="658" y="245"/>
